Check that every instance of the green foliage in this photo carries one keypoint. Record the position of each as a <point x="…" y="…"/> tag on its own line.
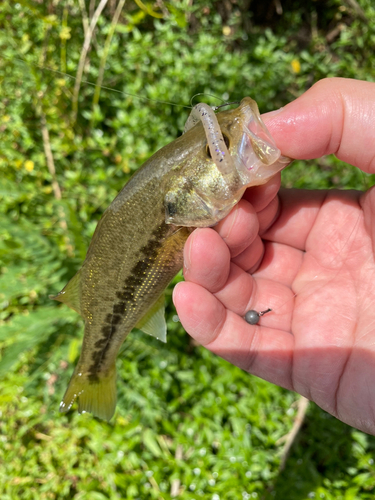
<point x="186" y="421"/>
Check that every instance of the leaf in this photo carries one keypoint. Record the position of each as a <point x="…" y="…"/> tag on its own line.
<point x="28" y="331"/>
<point x="150" y="442"/>
<point x="73" y="352"/>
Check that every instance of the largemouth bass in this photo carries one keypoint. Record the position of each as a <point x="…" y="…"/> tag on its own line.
<point x="137" y="247"/>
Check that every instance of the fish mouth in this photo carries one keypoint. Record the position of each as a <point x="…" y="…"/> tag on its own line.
<point x="257" y="157"/>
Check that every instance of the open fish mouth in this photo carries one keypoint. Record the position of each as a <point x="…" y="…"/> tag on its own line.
<point x="257" y="157"/>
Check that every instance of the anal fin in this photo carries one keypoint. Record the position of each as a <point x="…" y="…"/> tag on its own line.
<point x="153" y="322"/>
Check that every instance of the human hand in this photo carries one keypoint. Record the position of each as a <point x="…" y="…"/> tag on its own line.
<point x="307" y="255"/>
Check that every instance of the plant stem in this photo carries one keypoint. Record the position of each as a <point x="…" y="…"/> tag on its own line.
<point x="303" y="405"/>
<point x="82" y="59"/>
<point x="55" y="185"/>
<point x="103" y="59"/>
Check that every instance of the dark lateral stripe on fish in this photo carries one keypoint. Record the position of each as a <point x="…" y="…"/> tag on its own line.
<point x="149" y="254"/>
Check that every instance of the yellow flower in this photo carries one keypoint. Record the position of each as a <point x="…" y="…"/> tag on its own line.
<point x="296" y="65"/>
<point x="29" y="165"/>
<point x="226" y="31"/>
<point x="65" y="33"/>
<point x="121" y="420"/>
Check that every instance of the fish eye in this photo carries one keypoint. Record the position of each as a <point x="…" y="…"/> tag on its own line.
<point x="171" y="209"/>
<point x="227" y="143"/>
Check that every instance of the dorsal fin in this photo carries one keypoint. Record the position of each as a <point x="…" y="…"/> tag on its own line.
<point x="153" y="322"/>
<point x="71" y="293"/>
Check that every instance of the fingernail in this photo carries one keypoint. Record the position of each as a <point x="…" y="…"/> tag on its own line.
<point x="187" y="251"/>
<point x="234" y="216"/>
<point x="175" y="291"/>
<point x="274" y="112"/>
<point x="271" y="114"/>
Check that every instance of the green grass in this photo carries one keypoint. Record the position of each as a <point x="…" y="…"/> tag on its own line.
<point x="186" y="420"/>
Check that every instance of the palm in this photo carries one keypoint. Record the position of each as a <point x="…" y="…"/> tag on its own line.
<point x="332" y="313"/>
<point x="316" y="273"/>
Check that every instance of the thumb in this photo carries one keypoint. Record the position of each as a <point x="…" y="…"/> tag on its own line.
<point x="336" y="115"/>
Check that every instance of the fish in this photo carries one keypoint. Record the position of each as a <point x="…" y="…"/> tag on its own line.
<point x="137" y="246"/>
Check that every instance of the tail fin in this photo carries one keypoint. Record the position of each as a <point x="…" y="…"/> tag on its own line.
<point x="95" y="396"/>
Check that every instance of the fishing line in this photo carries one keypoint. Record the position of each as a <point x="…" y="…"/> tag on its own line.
<point x="92" y="84"/>
<point x="67" y="75"/>
<point x="73" y="78"/>
<point x="226" y="104"/>
<point x="129" y="94"/>
<point x="209" y="95"/>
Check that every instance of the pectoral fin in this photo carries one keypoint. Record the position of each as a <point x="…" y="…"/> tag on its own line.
<point x="186" y="205"/>
<point x="71" y="293"/>
<point x="153" y="323"/>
